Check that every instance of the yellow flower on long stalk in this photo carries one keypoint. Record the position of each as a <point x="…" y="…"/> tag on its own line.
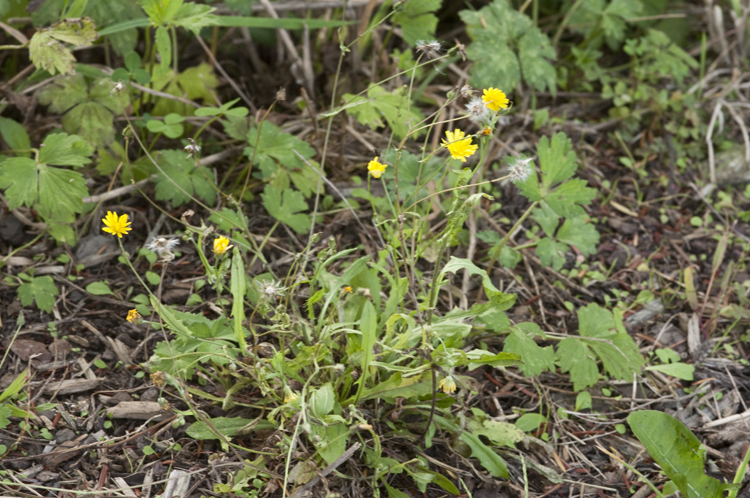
<point x="116" y="225"/>
<point x="221" y="245"/>
<point x="376" y="168"/>
<point x="459" y="147"/>
<point x="495" y="99"/>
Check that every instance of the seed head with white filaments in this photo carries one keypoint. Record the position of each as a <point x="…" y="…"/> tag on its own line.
<point x="163" y="246"/>
<point x="430" y="48"/>
<point x="478" y="112"/>
<point x="271" y="289"/>
<point x="520" y="170"/>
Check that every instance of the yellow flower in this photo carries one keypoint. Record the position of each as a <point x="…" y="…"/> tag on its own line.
<point x="375" y="168"/>
<point x="348" y="289"/>
<point x="134" y="316"/>
<point x="221" y="245"/>
<point x="448" y="385"/>
<point x="495" y="99"/>
<point x="487" y="131"/>
<point x="289" y="395"/>
<point x="459" y="147"/>
<point x="116" y="225"/>
<point x="157" y="378"/>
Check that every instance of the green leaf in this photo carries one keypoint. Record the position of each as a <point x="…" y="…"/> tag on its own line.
<point x="182" y="179"/>
<point x="551" y="253"/>
<point x="679" y="370"/>
<point x="194" y="83"/>
<point x="490" y="460"/>
<point x="164" y="48"/>
<point x="15" y="135"/>
<point x="566" y="200"/>
<point x="535" y="358"/>
<point x="575" y="357"/>
<point x="322" y="400"/>
<point x="227" y="426"/>
<point x="287" y="206"/>
<point x="599" y="20"/>
<point x="47" y="50"/>
<point x="583" y="401"/>
<point x="382" y="105"/>
<point x="530" y="422"/>
<point x="556" y="159"/>
<point x="16" y="386"/>
<point x="61" y="149"/>
<point x="677" y="451"/>
<point x="161" y="11"/>
<point x="275" y="154"/>
<point x="56" y="193"/>
<point x="5" y="413"/>
<point x="500" y="433"/>
<point x="88" y="111"/>
<point x="194" y="16"/>
<point x="98" y="289"/>
<point x="238" y="286"/>
<point x="41" y="290"/>
<point x="417" y="20"/>
<point x="506" y="45"/>
<point x="576" y="232"/>
<point x="479" y="357"/>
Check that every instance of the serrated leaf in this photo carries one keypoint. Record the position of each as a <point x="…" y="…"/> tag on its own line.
<point x="547" y="219"/>
<point x="161" y="11"/>
<point x="18" y="178"/>
<point x="500" y="433"/>
<point x="574" y="356"/>
<point x="536" y="359"/>
<point x="595" y="321"/>
<point x="556" y="159"/>
<point x="382" y="105"/>
<point x="566" y="200"/>
<point x="5" y="413"/>
<point x="47" y="50"/>
<point x="276" y="156"/>
<point x="287" y="206"/>
<point x="182" y="179"/>
<point x="60" y="193"/>
<point x="608" y="19"/>
<point x="417" y="20"/>
<point x="41" y="290"/>
<point x="677" y="451"/>
<point x="61" y="149"/>
<point x="506" y="45"/>
<point x="551" y="253"/>
<point x="89" y="111"/>
<point x="576" y="232"/>
<point x="194" y="83"/>
<point x="194" y="16"/>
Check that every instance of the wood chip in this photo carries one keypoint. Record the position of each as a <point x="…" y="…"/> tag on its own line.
<point x="64" y="452"/>
<point x="178" y="484"/>
<point x="137" y="410"/>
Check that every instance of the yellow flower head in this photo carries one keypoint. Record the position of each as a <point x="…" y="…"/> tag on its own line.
<point x="495" y="99"/>
<point x="459" y="147"/>
<point x="487" y="131"/>
<point x="289" y="395"/>
<point x="221" y="245"/>
<point x="157" y="378"/>
<point x="116" y="225"/>
<point x="375" y="168"/>
<point x="448" y="385"/>
<point x="348" y="289"/>
<point x="134" y="316"/>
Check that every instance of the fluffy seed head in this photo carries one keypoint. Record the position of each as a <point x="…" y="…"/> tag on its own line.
<point x="478" y="112"/>
<point x="520" y="170"/>
<point x="430" y="48"/>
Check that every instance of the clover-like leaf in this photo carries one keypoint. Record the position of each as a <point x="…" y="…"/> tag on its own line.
<point x="418" y="20"/>
<point x="89" y="111"/>
<point x="288" y="206"/>
<point x="47" y="48"/>
<point x="507" y="46"/>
